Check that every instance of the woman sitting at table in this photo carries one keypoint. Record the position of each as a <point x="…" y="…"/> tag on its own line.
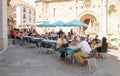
<point x="75" y="41"/>
<point x="101" y="47"/>
<point x="61" y="42"/>
<point x="85" y="50"/>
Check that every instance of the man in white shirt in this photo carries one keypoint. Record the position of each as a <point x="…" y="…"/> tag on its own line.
<point x="85" y="50"/>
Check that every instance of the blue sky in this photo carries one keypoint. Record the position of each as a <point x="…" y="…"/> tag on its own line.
<point x="32" y="2"/>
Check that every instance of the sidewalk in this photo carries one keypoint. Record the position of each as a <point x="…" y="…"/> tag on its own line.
<point x="112" y="68"/>
<point x="22" y="61"/>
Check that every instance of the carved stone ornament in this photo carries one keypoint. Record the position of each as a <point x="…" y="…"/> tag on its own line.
<point x="87" y="3"/>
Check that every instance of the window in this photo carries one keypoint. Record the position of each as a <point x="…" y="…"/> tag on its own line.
<point x="70" y="8"/>
<point x="39" y="16"/>
<point x="24" y="10"/>
<point x="24" y="16"/>
<point x="99" y="6"/>
<point x="34" y="13"/>
<point x="54" y="12"/>
<point x="30" y="18"/>
<point x="29" y="11"/>
<point x="34" y="19"/>
<point x="76" y="7"/>
<point x="36" y="4"/>
<point x="81" y="6"/>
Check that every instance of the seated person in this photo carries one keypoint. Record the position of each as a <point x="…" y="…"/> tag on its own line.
<point x="96" y="43"/>
<point x="88" y="40"/>
<point x="69" y="37"/>
<point x="46" y="35"/>
<point x="75" y="41"/>
<point x="100" y="46"/>
<point x="85" y="50"/>
<point x="61" y="42"/>
<point x="18" y="36"/>
<point x="96" y="39"/>
<point x="53" y="36"/>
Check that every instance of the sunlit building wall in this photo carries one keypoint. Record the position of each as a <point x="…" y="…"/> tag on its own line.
<point x="10" y="15"/>
<point x="101" y="15"/>
<point x="24" y="14"/>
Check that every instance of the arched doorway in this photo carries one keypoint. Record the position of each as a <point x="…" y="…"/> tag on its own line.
<point x="92" y="24"/>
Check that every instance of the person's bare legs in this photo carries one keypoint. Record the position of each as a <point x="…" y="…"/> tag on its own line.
<point x="97" y="54"/>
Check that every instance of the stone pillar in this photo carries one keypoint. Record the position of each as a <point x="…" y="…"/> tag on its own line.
<point x="3" y="26"/>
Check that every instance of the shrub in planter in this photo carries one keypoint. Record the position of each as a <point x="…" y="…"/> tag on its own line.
<point x="119" y="44"/>
<point x="109" y="45"/>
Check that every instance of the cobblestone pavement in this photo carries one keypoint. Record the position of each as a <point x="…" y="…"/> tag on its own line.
<point x="22" y="61"/>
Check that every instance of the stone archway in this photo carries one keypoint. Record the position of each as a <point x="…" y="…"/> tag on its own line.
<point x="88" y="17"/>
<point x="91" y="21"/>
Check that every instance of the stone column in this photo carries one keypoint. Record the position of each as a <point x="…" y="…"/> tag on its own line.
<point x="3" y="26"/>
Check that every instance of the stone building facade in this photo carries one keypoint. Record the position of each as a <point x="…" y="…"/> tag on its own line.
<point x="101" y="15"/>
<point x="24" y="14"/>
<point x="10" y="15"/>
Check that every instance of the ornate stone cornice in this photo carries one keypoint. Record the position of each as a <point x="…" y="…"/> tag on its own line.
<point x="87" y="3"/>
<point x="52" y="0"/>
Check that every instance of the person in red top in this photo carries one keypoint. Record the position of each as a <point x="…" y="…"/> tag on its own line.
<point x="13" y="33"/>
<point x="52" y="31"/>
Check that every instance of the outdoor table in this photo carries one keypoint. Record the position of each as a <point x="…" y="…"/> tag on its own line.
<point x="52" y="37"/>
<point x="37" y="39"/>
<point x="26" y="38"/>
<point x="70" y="51"/>
<point x="51" y="43"/>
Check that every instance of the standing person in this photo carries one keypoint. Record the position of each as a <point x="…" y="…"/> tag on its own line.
<point x="13" y="34"/>
<point x="60" y="32"/>
<point x="71" y="31"/>
<point x="53" y="31"/>
<point x="85" y="50"/>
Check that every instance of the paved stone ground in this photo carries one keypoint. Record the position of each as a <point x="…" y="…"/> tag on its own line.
<point x="22" y="61"/>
